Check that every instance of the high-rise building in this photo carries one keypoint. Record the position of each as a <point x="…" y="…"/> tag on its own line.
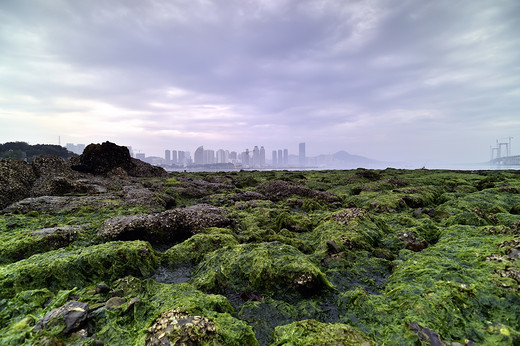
<point x="222" y="156"/>
<point x="301" y="156"/>
<point x="280" y="157"/>
<point x="245" y="158"/>
<point x="167" y="156"/>
<point x="274" y="159"/>
<point x="199" y="156"/>
<point x="262" y="156"/>
<point x="140" y="156"/>
<point x="285" y="157"/>
<point x="256" y="156"/>
<point x="209" y="157"/>
<point x="181" y="157"/>
<point x="233" y="156"/>
<point x="174" y="156"/>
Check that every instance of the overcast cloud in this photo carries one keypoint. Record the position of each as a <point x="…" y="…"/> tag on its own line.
<point x="392" y="80"/>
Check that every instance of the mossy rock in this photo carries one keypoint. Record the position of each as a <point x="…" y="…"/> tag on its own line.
<point x="267" y="267"/>
<point x="65" y="268"/>
<point x="312" y="332"/>
<point x="196" y="247"/>
<point x="516" y="209"/>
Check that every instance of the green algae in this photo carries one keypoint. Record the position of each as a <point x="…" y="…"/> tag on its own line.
<point x="267" y="267"/>
<point x="291" y="261"/>
<point x="312" y="332"/>
<point x="63" y="268"/>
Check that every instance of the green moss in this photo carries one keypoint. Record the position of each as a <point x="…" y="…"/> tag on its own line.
<point x="267" y="267"/>
<point x="196" y="247"/>
<point x="61" y="269"/>
<point x="312" y="332"/>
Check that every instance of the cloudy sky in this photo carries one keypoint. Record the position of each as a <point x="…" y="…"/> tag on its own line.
<point x="392" y="80"/>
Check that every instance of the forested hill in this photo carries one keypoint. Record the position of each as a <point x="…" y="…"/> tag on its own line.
<point x="23" y="150"/>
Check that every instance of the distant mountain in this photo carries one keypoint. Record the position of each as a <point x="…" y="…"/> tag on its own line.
<point x="344" y="159"/>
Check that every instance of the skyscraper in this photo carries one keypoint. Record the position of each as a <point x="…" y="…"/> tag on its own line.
<point x="274" y="159"/>
<point x="167" y="156"/>
<point x="262" y="156"/>
<point x="256" y="156"/>
<point x="301" y="156"/>
<point x="199" y="156"/>
<point x="285" y="157"/>
<point x="182" y="157"/>
<point x="174" y="156"/>
<point x="280" y="157"/>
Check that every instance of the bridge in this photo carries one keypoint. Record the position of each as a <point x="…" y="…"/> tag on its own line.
<point x="506" y="161"/>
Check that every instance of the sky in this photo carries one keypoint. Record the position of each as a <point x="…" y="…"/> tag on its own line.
<point x="422" y="81"/>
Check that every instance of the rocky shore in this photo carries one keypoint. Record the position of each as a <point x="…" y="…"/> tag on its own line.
<point x="106" y="249"/>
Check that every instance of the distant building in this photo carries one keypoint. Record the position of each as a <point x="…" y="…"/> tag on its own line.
<point x="222" y="156"/>
<point x="280" y="157"/>
<point x="209" y="157"/>
<point x="285" y="157"/>
<point x="181" y="160"/>
<point x="262" y="157"/>
<point x="301" y="156"/>
<point x="245" y="158"/>
<point x="233" y="156"/>
<point x="256" y="157"/>
<point x="140" y="156"/>
<point x="274" y="158"/>
<point x="199" y="156"/>
<point x="167" y="156"/>
<point x="174" y="156"/>
<point x="75" y="148"/>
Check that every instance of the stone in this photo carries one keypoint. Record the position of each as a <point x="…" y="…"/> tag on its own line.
<point x="16" y="179"/>
<point x="110" y="159"/>
<point x="176" y="327"/>
<point x="169" y="226"/>
<point x="73" y="314"/>
<point x="102" y="288"/>
<point x="412" y="242"/>
<point x="115" y="302"/>
<point x="277" y="190"/>
<point x="426" y="335"/>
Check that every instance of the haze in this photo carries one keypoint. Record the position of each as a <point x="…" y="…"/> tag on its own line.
<point x="423" y="81"/>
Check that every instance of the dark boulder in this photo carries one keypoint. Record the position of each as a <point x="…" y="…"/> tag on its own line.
<point x="102" y="159"/>
<point x="412" y="241"/>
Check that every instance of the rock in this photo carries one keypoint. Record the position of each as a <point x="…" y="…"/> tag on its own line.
<point x="412" y="241"/>
<point x="16" y="179"/>
<point x="426" y="335"/>
<point x="346" y="215"/>
<point x="277" y="190"/>
<point x="263" y="267"/>
<point x="171" y="225"/>
<point x="115" y="302"/>
<point x="247" y="196"/>
<point x="102" y="288"/>
<point x="175" y="327"/>
<point x="117" y="293"/>
<point x="73" y="314"/>
<point x="55" y="177"/>
<point x="332" y="247"/>
<point x="109" y="158"/>
<point x="57" y="237"/>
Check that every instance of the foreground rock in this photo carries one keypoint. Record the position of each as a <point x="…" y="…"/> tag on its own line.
<point x="69" y="317"/>
<point x="169" y="226"/>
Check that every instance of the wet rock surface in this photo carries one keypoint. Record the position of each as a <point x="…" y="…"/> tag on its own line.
<point x="176" y="327"/>
<point x="278" y="257"/>
<point x="72" y="315"/>
<point x="278" y="189"/>
<point x="169" y="226"/>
